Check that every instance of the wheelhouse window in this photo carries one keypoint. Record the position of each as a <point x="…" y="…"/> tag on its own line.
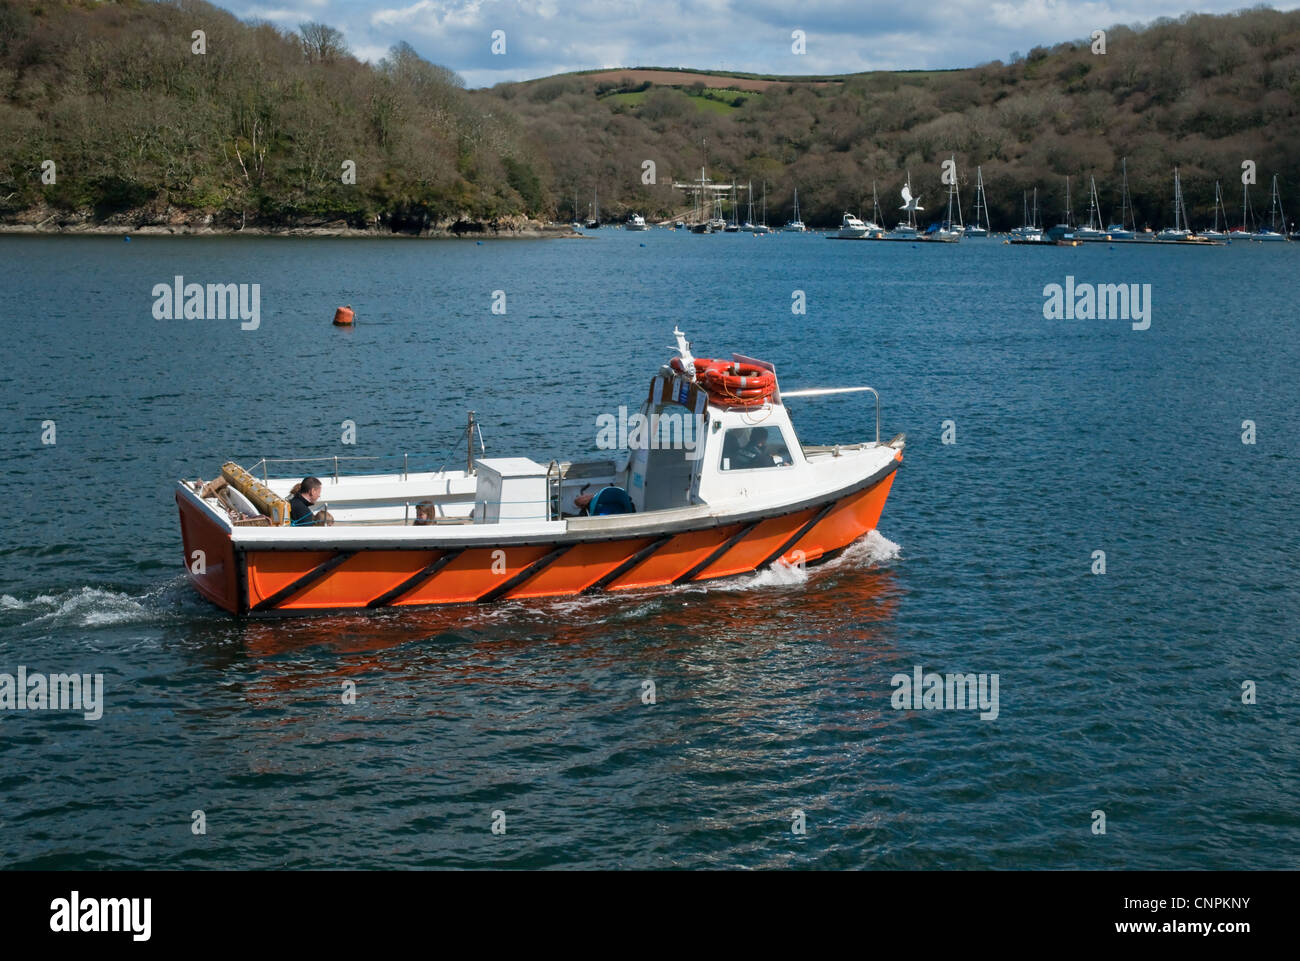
<point x="749" y="448"/>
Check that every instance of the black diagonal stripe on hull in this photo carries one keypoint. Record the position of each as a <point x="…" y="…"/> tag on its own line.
<point x="415" y="580"/>
<point x="311" y="577"/>
<point x="626" y="566"/>
<point x="730" y="543"/>
<point x="813" y="522"/>
<point x="534" y="568"/>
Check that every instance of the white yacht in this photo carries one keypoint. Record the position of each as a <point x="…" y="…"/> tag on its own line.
<point x="635" y="222"/>
<point x="851" y="228"/>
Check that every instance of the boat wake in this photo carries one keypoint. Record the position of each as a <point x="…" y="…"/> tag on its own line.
<point x="872" y="551"/>
<point x="97" y="607"/>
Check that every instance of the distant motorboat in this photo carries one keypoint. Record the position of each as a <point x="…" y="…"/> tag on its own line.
<point x="635" y="222"/>
<point x="851" y="228"/>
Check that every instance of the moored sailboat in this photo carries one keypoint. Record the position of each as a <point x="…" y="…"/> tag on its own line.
<point x="1276" y="229"/>
<point x="1093" y="230"/>
<point x="906" y="230"/>
<point x="980" y="227"/>
<point x="1215" y="233"/>
<point x="1031" y="231"/>
<point x="1123" y="230"/>
<point x="795" y="225"/>
<point x="1180" y="231"/>
<point x="949" y="230"/>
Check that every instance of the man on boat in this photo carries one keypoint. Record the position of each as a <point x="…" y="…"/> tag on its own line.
<point x="301" y="498"/>
<point x="755" y="453"/>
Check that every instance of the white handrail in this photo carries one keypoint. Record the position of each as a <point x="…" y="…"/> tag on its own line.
<point x="827" y="391"/>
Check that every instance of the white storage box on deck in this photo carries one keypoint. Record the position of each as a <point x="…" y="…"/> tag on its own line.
<point x="510" y="489"/>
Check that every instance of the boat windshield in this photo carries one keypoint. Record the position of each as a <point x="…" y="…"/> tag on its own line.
<point x="747" y="448"/>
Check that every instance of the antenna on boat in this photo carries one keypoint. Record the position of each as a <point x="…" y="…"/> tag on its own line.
<point x="469" y="445"/>
<point x="684" y="351"/>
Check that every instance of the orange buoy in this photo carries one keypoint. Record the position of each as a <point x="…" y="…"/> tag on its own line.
<point x="343" y="316"/>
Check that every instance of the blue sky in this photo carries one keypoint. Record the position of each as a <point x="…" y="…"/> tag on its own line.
<point x="544" y="37"/>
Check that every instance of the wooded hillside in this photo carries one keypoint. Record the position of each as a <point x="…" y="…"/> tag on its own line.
<point x="256" y="130"/>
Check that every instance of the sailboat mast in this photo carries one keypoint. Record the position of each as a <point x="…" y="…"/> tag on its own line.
<point x="1123" y="200"/>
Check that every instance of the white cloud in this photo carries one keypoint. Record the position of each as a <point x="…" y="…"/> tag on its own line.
<point x="550" y="36"/>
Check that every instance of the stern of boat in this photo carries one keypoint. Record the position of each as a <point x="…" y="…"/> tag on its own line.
<point x="210" y="558"/>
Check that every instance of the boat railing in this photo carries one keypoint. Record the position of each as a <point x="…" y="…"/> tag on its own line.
<point x="827" y="391"/>
<point x="334" y="460"/>
<point x="554" y="490"/>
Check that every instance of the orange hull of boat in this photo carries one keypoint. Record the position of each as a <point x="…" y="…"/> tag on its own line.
<point x="310" y="581"/>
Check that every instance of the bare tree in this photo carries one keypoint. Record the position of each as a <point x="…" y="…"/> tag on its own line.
<point x="322" y="43"/>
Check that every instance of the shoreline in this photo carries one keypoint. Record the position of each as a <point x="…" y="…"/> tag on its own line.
<point x="541" y="231"/>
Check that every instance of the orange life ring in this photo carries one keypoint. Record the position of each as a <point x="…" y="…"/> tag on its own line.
<point x="731" y="383"/>
<point x="734" y="378"/>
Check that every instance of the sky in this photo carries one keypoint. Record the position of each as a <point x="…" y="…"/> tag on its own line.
<point x="545" y="37"/>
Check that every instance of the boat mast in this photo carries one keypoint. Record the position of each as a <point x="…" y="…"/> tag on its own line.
<point x="953" y="192"/>
<point x="1124" y="205"/>
<point x="980" y="202"/>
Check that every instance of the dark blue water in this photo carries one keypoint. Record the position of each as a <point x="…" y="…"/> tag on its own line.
<point x="1118" y="692"/>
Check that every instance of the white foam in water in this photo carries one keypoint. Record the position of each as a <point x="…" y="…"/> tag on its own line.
<point x="87" y="607"/>
<point x="779" y="574"/>
<point x="873" y="549"/>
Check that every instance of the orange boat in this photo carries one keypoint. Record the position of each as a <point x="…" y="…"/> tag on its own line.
<point x="707" y="481"/>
